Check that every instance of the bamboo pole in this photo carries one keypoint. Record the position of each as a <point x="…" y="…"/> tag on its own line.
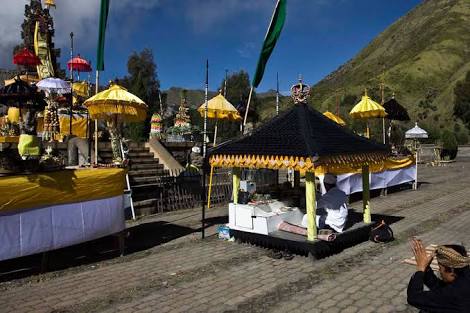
<point x="311" y="206"/>
<point x="210" y="188"/>
<point x="236" y="174"/>
<point x="71" y="84"/>
<point x="366" y="194"/>
<point x="97" y="82"/>
<point x="247" y="107"/>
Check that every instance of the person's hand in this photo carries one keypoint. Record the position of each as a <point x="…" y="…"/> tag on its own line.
<point x="422" y="259"/>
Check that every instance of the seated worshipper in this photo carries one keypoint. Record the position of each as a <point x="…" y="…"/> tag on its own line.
<point x="332" y="209"/>
<point x="451" y="293"/>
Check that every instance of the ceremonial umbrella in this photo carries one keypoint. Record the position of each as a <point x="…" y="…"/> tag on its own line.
<point x="21" y="95"/>
<point x="78" y="64"/>
<point x="115" y="105"/>
<point x="26" y="58"/>
<point x="335" y="118"/>
<point x="367" y="108"/>
<point x="395" y="111"/>
<point x="55" y="85"/>
<point x="416" y="133"/>
<point x="219" y="108"/>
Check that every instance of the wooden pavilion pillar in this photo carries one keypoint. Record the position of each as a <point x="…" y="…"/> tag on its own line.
<point x="236" y="174"/>
<point x="311" y="206"/>
<point x="366" y="194"/>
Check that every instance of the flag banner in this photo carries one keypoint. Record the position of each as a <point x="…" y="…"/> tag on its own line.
<point x="102" y="32"/>
<point x="274" y="31"/>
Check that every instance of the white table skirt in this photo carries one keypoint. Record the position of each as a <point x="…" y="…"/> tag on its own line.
<point x="26" y="232"/>
<point x="351" y="183"/>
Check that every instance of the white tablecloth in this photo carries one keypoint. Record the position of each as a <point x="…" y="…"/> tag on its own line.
<point x="26" y="232"/>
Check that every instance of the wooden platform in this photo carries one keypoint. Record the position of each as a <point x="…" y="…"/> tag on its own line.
<point x="298" y="244"/>
<point x="10" y="139"/>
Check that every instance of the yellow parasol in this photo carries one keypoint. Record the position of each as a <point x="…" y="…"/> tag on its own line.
<point x="219" y="108"/>
<point x="116" y="100"/>
<point x="114" y="105"/>
<point x="335" y="118"/>
<point x="366" y="109"/>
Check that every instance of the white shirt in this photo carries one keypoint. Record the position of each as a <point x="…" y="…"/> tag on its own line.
<point x="334" y="203"/>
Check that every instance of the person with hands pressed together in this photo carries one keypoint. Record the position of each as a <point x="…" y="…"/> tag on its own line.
<point x="451" y="293"/>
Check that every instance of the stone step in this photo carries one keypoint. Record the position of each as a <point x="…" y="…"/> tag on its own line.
<point x="141" y="160"/>
<point x="135" y="181"/>
<point x="131" y="145"/>
<point x="138" y="149"/>
<point x="134" y="154"/>
<point x="145" y="165"/>
<point x="147" y="172"/>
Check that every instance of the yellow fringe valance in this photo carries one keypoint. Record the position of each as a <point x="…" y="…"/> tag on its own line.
<point x="336" y="165"/>
<point x="131" y="113"/>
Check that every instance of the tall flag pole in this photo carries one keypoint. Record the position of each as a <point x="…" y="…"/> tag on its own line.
<point x="206" y="109"/>
<point x="71" y="83"/>
<point x="104" y="10"/>
<point x="277" y="93"/>
<point x="272" y="35"/>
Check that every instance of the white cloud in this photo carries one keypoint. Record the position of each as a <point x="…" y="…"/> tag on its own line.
<point x="77" y="16"/>
<point x="204" y="15"/>
<point x="247" y="50"/>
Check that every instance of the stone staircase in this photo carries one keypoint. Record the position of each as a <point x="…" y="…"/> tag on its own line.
<point x="146" y="176"/>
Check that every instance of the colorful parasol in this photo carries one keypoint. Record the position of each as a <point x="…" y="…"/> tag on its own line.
<point x="78" y="64"/>
<point x="219" y="108"/>
<point x="55" y="85"/>
<point x="367" y="108"/>
<point x="26" y="58"/>
<point x="116" y="100"/>
<point x="115" y="105"/>
<point x="335" y="118"/>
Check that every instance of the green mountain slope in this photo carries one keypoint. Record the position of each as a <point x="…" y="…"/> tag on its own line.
<point x="420" y="57"/>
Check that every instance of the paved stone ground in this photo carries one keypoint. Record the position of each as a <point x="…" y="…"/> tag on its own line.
<point x="187" y="274"/>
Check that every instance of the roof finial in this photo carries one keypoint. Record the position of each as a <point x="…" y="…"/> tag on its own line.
<point x="300" y="92"/>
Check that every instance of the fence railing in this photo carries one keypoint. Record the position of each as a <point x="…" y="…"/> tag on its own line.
<point x="183" y="189"/>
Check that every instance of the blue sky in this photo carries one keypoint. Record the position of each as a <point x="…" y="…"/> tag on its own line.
<point x="318" y="36"/>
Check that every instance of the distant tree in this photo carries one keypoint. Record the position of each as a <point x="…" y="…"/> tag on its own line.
<point x="462" y="100"/>
<point x="143" y="82"/>
<point x="238" y="90"/>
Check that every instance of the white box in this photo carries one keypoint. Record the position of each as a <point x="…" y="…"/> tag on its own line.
<point x="248" y="186"/>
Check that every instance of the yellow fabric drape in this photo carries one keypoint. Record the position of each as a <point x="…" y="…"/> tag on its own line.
<point x="28" y="145"/>
<point x="79" y="126"/>
<point x="66" y="186"/>
<point x="13" y="114"/>
<point x="335" y="118"/>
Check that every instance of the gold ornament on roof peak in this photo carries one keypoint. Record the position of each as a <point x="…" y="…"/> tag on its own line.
<point x="300" y="92"/>
<point x="49" y="3"/>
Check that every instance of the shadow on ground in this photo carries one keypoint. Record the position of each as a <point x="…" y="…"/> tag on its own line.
<point x="138" y="238"/>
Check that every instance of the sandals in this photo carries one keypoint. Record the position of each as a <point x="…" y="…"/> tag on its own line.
<point x="277" y="255"/>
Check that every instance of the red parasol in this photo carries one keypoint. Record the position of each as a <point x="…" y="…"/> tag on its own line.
<point x="78" y="64"/>
<point x="26" y="58"/>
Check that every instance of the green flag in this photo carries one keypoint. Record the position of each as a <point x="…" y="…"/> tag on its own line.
<point x="102" y="32"/>
<point x="274" y="31"/>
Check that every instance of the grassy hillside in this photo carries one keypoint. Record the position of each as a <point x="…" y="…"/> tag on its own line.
<point x="420" y="57"/>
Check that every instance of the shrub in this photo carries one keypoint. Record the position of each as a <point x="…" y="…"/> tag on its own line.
<point x="449" y="145"/>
